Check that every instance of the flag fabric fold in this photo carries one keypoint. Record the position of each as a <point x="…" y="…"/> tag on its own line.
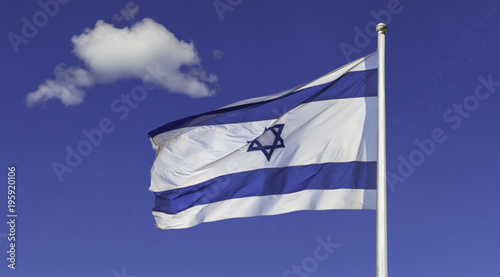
<point x="313" y="147"/>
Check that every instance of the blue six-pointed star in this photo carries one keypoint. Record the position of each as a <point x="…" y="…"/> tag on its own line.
<point x="268" y="141"/>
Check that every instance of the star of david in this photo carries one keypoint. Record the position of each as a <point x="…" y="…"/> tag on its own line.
<point x="268" y="141"/>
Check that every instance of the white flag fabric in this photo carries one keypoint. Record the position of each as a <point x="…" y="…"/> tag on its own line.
<point x="309" y="148"/>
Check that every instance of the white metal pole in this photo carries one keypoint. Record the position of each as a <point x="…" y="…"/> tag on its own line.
<point x="381" y="259"/>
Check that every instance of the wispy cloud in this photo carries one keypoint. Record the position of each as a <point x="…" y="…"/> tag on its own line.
<point x="67" y="86"/>
<point x="127" y="13"/>
<point x="217" y="54"/>
<point x="145" y="51"/>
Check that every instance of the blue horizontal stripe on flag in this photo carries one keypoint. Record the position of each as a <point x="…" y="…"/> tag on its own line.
<point x="349" y="85"/>
<point x="269" y="181"/>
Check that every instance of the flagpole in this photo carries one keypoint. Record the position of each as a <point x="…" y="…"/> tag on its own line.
<point x="381" y="258"/>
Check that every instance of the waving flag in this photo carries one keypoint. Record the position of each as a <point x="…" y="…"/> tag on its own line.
<point x="309" y="148"/>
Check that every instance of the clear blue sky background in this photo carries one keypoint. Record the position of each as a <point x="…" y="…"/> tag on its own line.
<point x="443" y="212"/>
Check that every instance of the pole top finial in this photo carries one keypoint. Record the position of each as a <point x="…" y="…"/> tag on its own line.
<point x="381" y="28"/>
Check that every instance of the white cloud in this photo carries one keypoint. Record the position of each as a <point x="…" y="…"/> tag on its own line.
<point x="67" y="86"/>
<point x="217" y="54"/>
<point x="145" y="51"/>
<point x="127" y="13"/>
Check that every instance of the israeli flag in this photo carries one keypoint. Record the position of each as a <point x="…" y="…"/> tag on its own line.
<point x="313" y="147"/>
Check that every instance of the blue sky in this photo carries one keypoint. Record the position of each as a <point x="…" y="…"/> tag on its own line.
<point x="93" y="218"/>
